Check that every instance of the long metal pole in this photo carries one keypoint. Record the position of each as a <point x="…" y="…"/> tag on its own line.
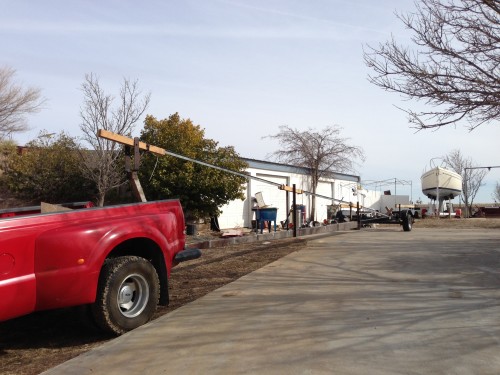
<point x="161" y="152"/>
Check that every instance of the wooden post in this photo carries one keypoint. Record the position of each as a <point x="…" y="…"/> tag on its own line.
<point x="293" y="189"/>
<point x="134" y="180"/>
<point x="287" y="202"/>
<point x="294" y="212"/>
<point x="359" y="216"/>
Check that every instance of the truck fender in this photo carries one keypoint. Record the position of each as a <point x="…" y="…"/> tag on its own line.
<point x="68" y="260"/>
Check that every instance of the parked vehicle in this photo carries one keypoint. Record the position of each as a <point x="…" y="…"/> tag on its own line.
<point x="115" y="259"/>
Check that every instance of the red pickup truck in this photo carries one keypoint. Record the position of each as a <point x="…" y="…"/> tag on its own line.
<point x="115" y="259"/>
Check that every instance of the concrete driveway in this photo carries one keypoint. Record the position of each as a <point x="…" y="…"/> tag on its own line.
<point x="366" y="302"/>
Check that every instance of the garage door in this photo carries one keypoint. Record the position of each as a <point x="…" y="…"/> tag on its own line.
<point x="324" y="188"/>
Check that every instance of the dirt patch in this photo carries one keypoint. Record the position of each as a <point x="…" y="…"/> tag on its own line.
<point x="37" y="342"/>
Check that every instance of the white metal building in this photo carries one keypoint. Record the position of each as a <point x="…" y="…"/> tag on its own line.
<point x="238" y="214"/>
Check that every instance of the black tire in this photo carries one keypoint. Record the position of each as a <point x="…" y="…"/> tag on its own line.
<point x="407" y="221"/>
<point x="127" y="294"/>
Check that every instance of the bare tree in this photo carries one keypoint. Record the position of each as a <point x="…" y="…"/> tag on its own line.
<point x="15" y="103"/>
<point x="102" y="165"/>
<point x="455" y="68"/>
<point x="321" y="152"/>
<point x="496" y="193"/>
<point x="472" y="179"/>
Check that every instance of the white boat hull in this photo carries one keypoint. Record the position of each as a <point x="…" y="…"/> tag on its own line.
<point x="440" y="183"/>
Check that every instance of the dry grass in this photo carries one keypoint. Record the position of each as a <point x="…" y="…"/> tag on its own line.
<point x="492" y="223"/>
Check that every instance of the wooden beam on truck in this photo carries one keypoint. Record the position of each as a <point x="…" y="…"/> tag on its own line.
<point x="130" y="142"/>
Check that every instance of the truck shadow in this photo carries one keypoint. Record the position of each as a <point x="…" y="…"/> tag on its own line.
<point x="53" y="329"/>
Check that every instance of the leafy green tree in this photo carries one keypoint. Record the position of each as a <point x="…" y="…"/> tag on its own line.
<point x="48" y="169"/>
<point x="202" y="190"/>
<point x="7" y="149"/>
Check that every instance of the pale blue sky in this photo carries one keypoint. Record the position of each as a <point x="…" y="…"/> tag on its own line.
<point x="240" y="69"/>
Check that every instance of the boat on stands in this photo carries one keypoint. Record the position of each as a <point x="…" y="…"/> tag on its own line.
<point x="441" y="184"/>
